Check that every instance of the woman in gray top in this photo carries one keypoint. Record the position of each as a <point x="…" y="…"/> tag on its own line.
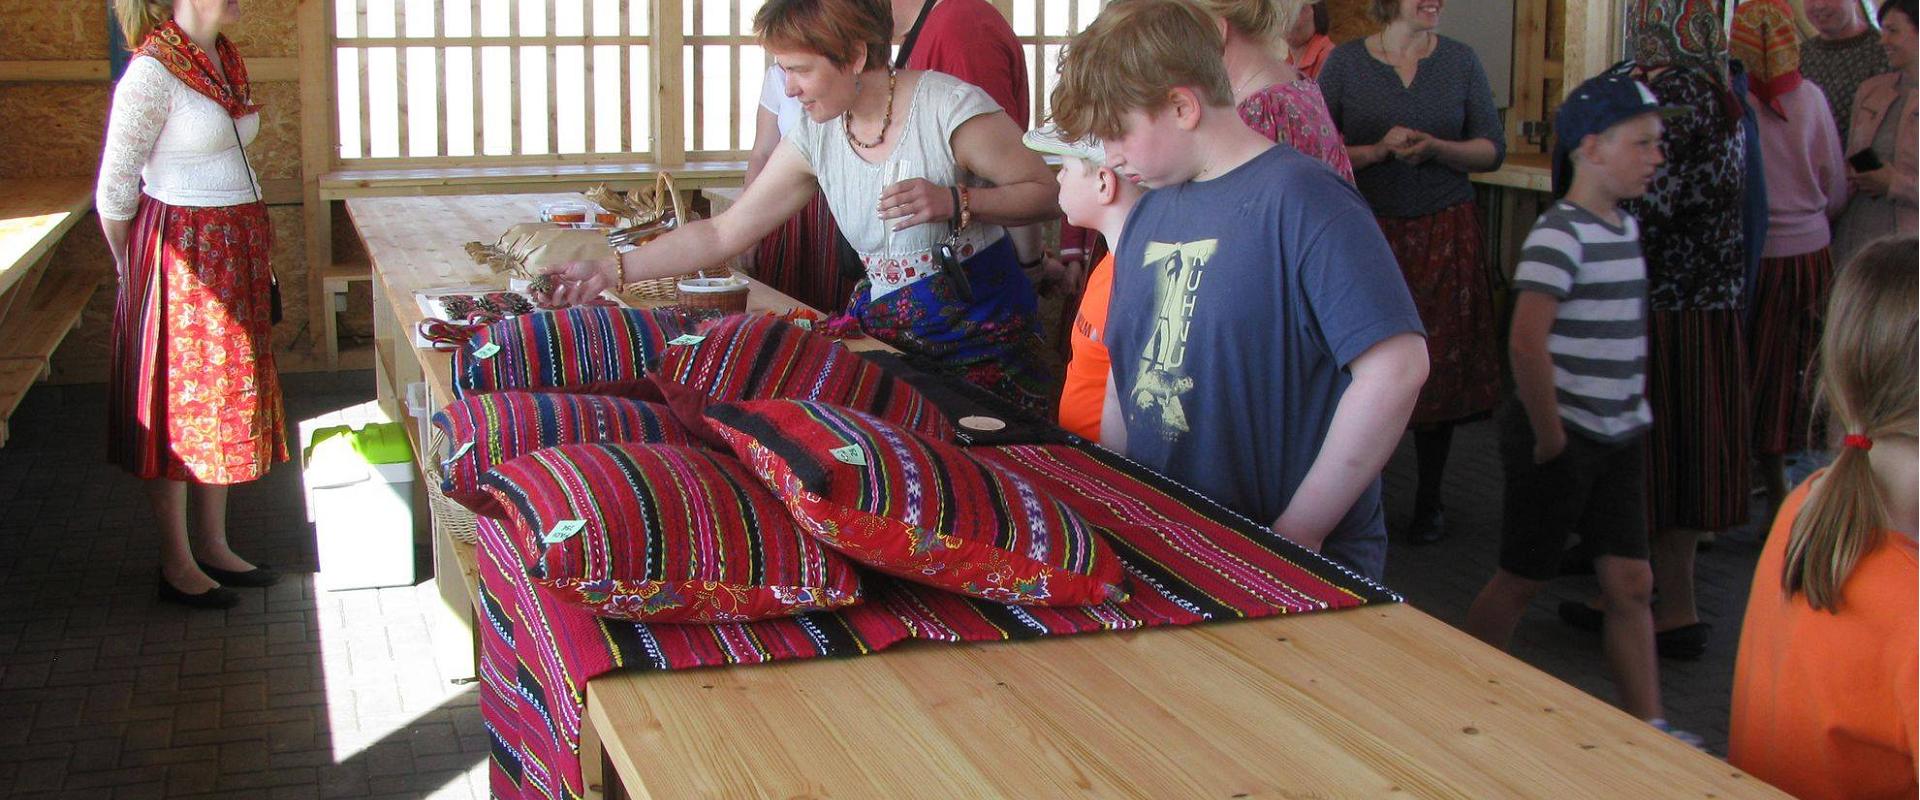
<point x="1418" y="115"/>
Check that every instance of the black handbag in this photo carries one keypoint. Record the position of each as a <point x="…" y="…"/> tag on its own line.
<point x="275" y="311"/>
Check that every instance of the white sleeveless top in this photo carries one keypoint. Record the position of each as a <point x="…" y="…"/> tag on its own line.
<point x="938" y="106"/>
<point x="176" y="141"/>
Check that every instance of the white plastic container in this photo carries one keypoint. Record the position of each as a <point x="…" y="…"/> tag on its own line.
<point x="362" y="513"/>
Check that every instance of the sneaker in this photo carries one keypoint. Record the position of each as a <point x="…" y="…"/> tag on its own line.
<point x="1690" y="738"/>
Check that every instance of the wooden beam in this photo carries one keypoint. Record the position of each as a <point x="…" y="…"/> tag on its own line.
<point x="88" y="70"/>
<point x="1592" y="27"/>
<point x="669" y="110"/>
<point x="318" y="152"/>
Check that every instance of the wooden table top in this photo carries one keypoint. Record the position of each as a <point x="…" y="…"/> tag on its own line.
<point x="418" y="243"/>
<point x="34" y="214"/>
<point x="1369" y="702"/>
<point x="1363" y="702"/>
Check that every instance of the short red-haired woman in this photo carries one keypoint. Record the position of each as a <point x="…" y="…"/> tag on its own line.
<point x="862" y="116"/>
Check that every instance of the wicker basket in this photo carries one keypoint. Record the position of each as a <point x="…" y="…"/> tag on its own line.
<point x="459" y="522"/>
<point x="666" y="291"/>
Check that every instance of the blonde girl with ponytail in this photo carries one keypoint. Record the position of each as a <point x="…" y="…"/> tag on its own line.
<point x="1824" y="696"/>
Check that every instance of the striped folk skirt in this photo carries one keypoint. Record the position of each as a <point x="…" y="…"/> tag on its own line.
<point x="801" y="258"/>
<point x="193" y="394"/>
<point x="1791" y="303"/>
<point x="1441" y="256"/>
<point x="1697" y="474"/>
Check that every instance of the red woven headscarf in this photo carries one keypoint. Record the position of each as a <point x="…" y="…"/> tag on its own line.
<point x="170" y="46"/>
<point x="1764" y="39"/>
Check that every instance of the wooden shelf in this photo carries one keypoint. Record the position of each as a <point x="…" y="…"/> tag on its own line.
<point x="33" y="330"/>
<point x="17" y="375"/>
<point x="420" y="181"/>
<point x="336" y="277"/>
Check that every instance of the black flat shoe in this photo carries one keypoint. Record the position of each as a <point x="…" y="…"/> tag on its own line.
<point x="1685" y="643"/>
<point x="1428" y="529"/>
<point x="259" y="576"/>
<point x="216" y="597"/>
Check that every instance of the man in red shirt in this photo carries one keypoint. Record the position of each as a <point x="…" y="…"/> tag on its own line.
<point x="969" y="40"/>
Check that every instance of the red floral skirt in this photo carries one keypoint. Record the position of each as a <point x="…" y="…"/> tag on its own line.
<point x="1441" y="256"/>
<point x="1792" y="297"/>
<point x="193" y="394"/>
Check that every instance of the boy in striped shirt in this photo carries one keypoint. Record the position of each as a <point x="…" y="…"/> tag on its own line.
<point x="1572" y="444"/>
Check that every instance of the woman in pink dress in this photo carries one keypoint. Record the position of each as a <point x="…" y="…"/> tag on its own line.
<point x="1274" y="97"/>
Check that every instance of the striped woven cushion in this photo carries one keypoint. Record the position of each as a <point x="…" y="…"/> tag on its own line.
<point x="921" y="509"/>
<point x="497" y="427"/>
<point x="571" y="347"/>
<point x="757" y="357"/>
<point x="664" y="534"/>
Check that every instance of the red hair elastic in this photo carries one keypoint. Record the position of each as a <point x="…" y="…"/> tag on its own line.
<point x="1856" y="441"/>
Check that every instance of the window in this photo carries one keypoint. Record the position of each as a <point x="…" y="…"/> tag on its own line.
<point x="540" y="81"/>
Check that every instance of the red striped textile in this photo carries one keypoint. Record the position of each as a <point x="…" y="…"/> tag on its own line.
<point x="496" y="427"/>
<point x="664" y="534"/>
<point x="583" y="346"/>
<point x="1189" y="561"/>
<point x="1697" y="471"/>
<point x="757" y="357"/>
<point x="1791" y="295"/>
<point x="918" y="508"/>
<point x="193" y="394"/>
<point x="801" y="258"/>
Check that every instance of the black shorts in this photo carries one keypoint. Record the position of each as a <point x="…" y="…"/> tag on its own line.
<point x="1595" y="488"/>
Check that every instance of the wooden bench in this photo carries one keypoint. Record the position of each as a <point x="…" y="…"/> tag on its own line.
<point x="38" y="304"/>
<point x="334" y="277"/>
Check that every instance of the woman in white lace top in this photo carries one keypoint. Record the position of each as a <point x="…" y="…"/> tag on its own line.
<point x="194" y="401"/>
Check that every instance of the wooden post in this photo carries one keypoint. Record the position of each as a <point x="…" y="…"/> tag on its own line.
<point x="1529" y="71"/>
<point x="669" y="111"/>
<point x="316" y="159"/>
<point x="1592" y="32"/>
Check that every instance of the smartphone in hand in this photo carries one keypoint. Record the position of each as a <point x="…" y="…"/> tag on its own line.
<point x="1864" y="161"/>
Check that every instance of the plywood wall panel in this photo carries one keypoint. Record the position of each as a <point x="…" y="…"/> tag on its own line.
<point x="276" y="151"/>
<point x="37" y="30"/>
<point x="267" y="30"/>
<point x="53" y="129"/>
<point x="1347" y="20"/>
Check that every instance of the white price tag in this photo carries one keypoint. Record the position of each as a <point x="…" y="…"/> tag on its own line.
<point x="686" y="339"/>
<point x="563" y="530"/>
<point x="851" y="454"/>
<point x="457" y="453"/>
<point x="487" y="350"/>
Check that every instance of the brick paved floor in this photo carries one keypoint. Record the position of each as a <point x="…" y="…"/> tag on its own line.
<point x="300" y="693"/>
<point x="296" y="693"/>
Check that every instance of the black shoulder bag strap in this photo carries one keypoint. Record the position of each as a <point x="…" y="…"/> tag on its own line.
<point x="913" y="35"/>
<point x="275" y="312"/>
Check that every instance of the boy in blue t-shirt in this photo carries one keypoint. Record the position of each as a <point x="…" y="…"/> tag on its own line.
<point x="1265" y="350"/>
<point x="1573" y="442"/>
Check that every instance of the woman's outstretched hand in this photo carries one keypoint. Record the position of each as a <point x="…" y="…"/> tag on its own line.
<point x="576" y="283"/>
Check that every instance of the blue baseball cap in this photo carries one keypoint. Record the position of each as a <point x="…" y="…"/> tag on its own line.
<point x="1593" y="107"/>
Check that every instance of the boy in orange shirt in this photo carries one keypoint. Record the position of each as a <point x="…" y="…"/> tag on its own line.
<point x="1092" y="196"/>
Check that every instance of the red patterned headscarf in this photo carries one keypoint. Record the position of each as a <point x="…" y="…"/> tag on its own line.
<point x="1679" y="33"/>
<point x="1764" y="39"/>
<point x="170" y="46"/>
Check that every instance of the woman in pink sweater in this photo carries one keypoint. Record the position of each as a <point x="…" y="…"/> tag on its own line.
<point x="1806" y="187"/>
